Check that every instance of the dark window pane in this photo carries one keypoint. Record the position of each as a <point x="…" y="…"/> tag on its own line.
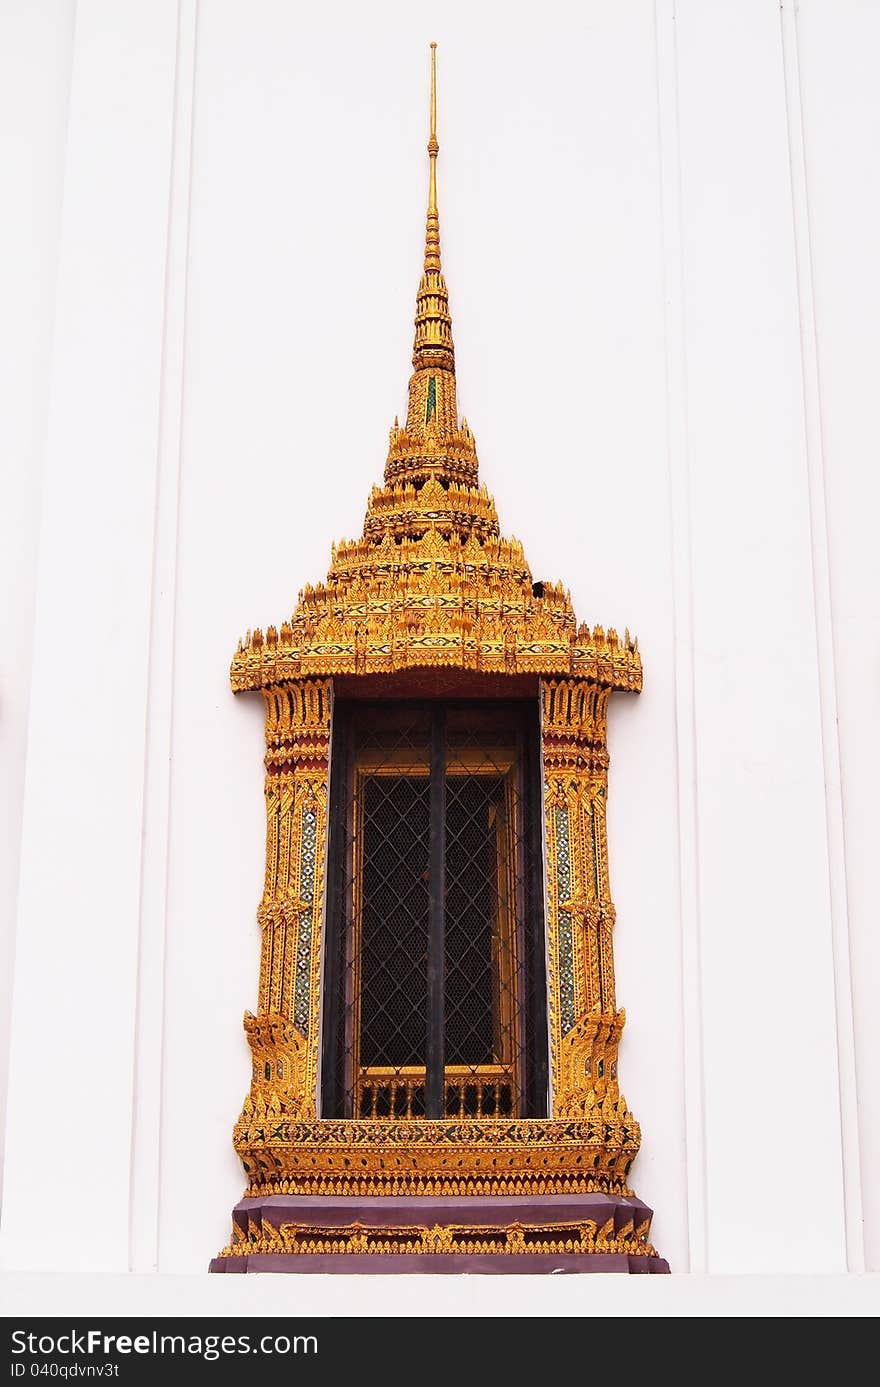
<point x="376" y="1001"/>
<point x="394" y="920"/>
<point x="471" y="916"/>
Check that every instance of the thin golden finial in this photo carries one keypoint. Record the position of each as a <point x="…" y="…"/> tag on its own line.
<point x="432" y="351"/>
<point x="432" y="238"/>
<point x="433" y="147"/>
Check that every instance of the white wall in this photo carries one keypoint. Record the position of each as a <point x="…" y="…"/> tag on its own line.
<point x="659" y="238"/>
<point x="36" y="47"/>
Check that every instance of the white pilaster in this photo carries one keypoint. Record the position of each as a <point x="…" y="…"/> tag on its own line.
<point x="773" y="1152"/>
<point x="836" y="48"/>
<point x="68" y="1153"/>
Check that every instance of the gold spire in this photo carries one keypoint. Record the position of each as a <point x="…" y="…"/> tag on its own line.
<point x="432" y="234"/>
<point x="432" y="388"/>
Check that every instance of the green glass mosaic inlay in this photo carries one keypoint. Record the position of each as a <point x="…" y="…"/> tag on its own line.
<point x="566" y="942"/>
<point x="431" y="409"/>
<point x="304" y="933"/>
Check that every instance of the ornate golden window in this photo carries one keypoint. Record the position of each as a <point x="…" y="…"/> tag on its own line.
<point x="436" y="1042"/>
<point x="435" y="980"/>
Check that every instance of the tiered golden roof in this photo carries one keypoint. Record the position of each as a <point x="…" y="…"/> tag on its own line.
<point x="432" y="582"/>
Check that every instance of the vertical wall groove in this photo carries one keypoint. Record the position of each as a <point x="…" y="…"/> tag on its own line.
<point x="827" y="674"/>
<point x="147" y="1107"/>
<point x="682" y="580"/>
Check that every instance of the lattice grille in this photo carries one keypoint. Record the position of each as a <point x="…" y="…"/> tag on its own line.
<point x="393" y="813"/>
<point x="379" y="1002"/>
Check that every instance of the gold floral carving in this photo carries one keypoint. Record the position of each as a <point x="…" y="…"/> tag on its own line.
<point x="585" y="1025"/>
<point x="387" y="1156"/>
<point x="513" y="1239"/>
<point x="434" y="591"/>
<point x="284" y="1037"/>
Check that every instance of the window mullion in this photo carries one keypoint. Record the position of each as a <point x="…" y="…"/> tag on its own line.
<point x="435" y="1096"/>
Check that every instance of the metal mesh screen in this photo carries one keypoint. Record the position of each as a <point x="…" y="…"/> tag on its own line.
<point x="394" y="913"/>
<point x="485" y="1004"/>
<point x="472" y="904"/>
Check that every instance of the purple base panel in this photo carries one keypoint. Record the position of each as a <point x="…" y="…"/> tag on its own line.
<point x="337" y="1211"/>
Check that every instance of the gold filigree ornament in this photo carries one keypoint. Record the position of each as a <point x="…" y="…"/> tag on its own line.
<point x="451" y="1239"/>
